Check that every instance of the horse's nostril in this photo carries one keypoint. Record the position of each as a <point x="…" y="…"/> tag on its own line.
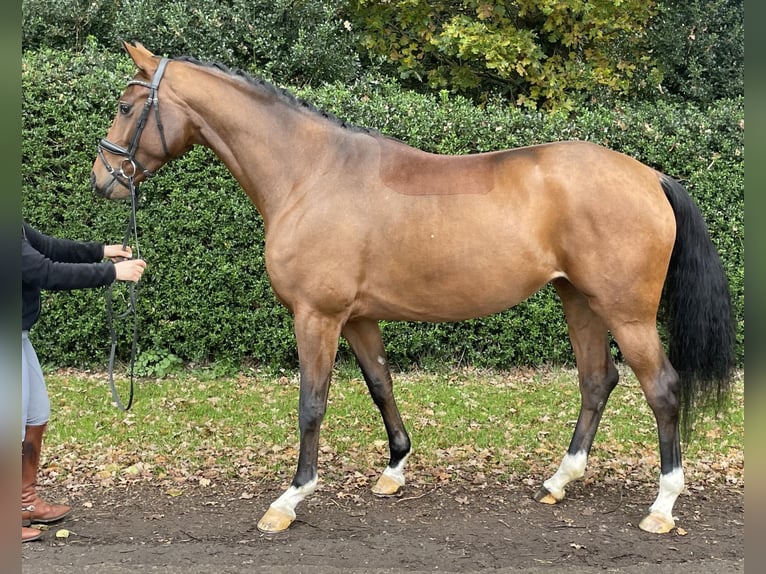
<point x="100" y="191"/>
<point x="94" y="185"/>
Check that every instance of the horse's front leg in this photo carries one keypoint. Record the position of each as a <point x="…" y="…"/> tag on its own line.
<point x="317" y="339"/>
<point x="366" y="342"/>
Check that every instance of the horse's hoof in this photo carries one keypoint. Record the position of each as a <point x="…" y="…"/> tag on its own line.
<point x="543" y="495"/>
<point x="275" y="520"/>
<point x="657" y="523"/>
<point x="386" y="486"/>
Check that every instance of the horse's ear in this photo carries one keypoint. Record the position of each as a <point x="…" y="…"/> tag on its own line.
<point x="142" y="57"/>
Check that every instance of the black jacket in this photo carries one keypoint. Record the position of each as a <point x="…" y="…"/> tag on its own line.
<point x="57" y="264"/>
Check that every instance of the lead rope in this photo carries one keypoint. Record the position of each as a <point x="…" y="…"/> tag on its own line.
<point x="129" y="155"/>
<point x="131" y="309"/>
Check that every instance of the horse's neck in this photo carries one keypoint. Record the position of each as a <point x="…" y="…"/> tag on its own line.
<point x="268" y="145"/>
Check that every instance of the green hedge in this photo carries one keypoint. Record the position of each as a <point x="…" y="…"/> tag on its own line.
<point x="206" y="298"/>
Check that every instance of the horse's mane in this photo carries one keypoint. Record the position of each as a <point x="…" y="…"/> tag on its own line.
<point x="281" y="94"/>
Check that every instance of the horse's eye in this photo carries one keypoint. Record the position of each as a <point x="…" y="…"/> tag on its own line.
<point x="125" y="108"/>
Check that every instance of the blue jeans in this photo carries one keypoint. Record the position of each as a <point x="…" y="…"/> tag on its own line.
<point x="35" y="404"/>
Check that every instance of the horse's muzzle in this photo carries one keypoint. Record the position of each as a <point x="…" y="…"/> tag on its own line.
<point x="94" y="185"/>
<point x="106" y="191"/>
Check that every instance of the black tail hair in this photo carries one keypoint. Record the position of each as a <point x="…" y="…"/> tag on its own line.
<point x="699" y="314"/>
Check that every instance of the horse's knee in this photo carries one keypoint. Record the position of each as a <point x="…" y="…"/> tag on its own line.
<point x="310" y="414"/>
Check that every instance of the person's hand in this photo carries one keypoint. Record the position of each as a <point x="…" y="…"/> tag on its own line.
<point x="117" y="252"/>
<point x="129" y="269"/>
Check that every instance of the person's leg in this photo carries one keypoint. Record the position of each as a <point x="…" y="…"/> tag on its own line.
<point x="27" y="534"/>
<point x="24" y="383"/>
<point x="35" y="404"/>
<point x="35" y="415"/>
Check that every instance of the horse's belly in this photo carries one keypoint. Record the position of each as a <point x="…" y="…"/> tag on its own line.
<point x="453" y="294"/>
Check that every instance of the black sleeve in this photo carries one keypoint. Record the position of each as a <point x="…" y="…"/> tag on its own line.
<point x="63" y="250"/>
<point x="40" y="270"/>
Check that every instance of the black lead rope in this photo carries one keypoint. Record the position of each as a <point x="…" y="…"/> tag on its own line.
<point x="126" y="179"/>
<point x="131" y="309"/>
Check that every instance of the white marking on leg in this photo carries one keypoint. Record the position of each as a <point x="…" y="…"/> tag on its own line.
<point x="671" y="485"/>
<point x="381" y="360"/>
<point x="571" y="468"/>
<point x="293" y="496"/>
<point x="396" y="473"/>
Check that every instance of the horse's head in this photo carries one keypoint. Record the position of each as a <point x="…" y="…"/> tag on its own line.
<point x="144" y="134"/>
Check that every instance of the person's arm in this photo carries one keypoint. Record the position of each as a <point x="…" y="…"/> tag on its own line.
<point x="60" y="264"/>
<point x="63" y="250"/>
<point x="42" y="272"/>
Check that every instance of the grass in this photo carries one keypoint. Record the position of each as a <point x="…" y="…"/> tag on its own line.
<point x="466" y="425"/>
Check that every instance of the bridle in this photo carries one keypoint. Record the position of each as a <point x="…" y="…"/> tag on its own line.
<point x="129" y="167"/>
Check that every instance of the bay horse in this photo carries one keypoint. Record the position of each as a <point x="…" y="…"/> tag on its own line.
<point x="361" y="228"/>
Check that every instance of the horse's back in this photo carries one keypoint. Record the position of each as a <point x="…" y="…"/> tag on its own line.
<point x="539" y="191"/>
<point x="580" y="167"/>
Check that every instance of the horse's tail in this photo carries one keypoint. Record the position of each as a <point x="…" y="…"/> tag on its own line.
<point x="698" y="313"/>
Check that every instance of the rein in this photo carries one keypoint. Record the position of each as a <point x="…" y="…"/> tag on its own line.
<point x="125" y="175"/>
<point x="131" y="309"/>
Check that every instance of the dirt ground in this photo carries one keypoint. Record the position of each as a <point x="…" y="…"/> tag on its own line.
<point x="450" y="528"/>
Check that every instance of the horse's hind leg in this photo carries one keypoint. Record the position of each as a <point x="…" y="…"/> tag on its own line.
<point x="640" y="345"/>
<point x="597" y="378"/>
<point x="366" y="342"/>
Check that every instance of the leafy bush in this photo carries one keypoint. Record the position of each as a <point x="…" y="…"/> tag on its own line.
<point x="700" y="46"/>
<point x="206" y="298"/>
<point x="300" y="42"/>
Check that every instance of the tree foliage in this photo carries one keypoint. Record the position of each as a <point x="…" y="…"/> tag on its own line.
<point x="700" y="46"/>
<point x="538" y="52"/>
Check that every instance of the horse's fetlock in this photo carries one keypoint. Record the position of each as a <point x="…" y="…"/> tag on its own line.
<point x="400" y="447"/>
